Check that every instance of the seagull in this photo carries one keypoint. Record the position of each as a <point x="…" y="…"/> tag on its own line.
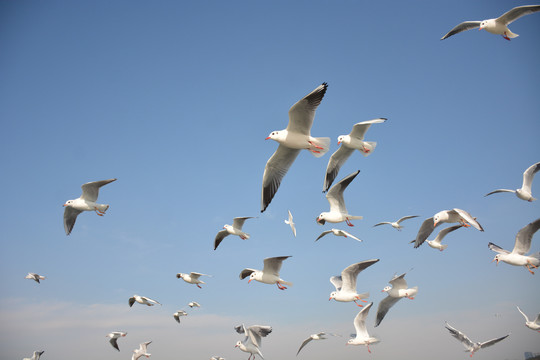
<point x="362" y="337"/>
<point x="252" y="341"/>
<point x="436" y="243"/>
<point x="235" y="229"/>
<point x="318" y="336"/>
<point x="142" y="300"/>
<point x="177" y="315"/>
<point x="533" y="325"/>
<point x="291" y="223"/>
<point x="396" y="292"/>
<point x="351" y="142"/>
<point x="338" y="211"/>
<point x="269" y="273"/>
<point x="498" y="26"/>
<point x="141" y="351"/>
<point x="525" y="193"/>
<point x="346" y="283"/>
<point x="192" y="278"/>
<point x="86" y="202"/>
<point x="396" y="224"/>
<point x="114" y="336"/>
<point x="448" y="216"/>
<point x="291" y="140"/>
<point x="522" y="246"/>
<point x="35" y="356"/>
<point x="35" y="277"/>
<point x="468" y="344"/>
<point x="194" y="304"/>
<point x="337" y="232"/>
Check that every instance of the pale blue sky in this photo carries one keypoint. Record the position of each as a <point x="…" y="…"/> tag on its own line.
<point x="175" y="99"/>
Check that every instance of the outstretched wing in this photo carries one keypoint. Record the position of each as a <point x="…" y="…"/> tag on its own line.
<point x="70" y="216"/>
<point x="528" y="175"/>
<point x="350" y="274"/>
<point x="383" y="308"/>
<point x="497" y="248"/>
<point x="219" y="238"/>
<point x="90" y="190"/>
<point x="302" y="113"/>
<point x="335" y="195"/>
<point x="238" y="222"/>
<point x="517" y="12"/>
<point x="467" y="25"/>
<point x="338" y="158"/>
<point x="425" y="230"/>
<point x="324" y="233"/>
<point x="492" y="341"/>
<point x="467" y="343"/>
<point x="273" y="265"/>
<point x="524" y="238"/>
<point x="468" y="217"/>
<point x="276" y="168"/>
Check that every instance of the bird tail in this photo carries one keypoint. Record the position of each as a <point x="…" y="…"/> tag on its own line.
<point x="355" y="217"/>
<point x="245" y="236"/>
<point x="319" y="146"/>
<point x="283" y="282"/>
<point x="369" y="146"/>
<point x="510" y="34"/>
<point x="363" y="295"/>
<point x="444" y="247"/>
<point x="103" y="207"/>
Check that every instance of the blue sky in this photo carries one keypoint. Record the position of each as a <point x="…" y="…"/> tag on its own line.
<point x="175" y="99"/>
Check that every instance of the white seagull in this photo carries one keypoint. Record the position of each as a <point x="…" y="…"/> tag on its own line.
<point x="291" y="223"/>
<point x="525" y="193"/>
<point x="295" y="137"/>
<point x="533" y="325"/>
<point x="194" y="304"/>
<point x="177" y="315"/>
<point x="234" y="229"/>
<point x="346" y="283"/>
<point x="337" y="232"/>
<point x="35" y="356"/>
<point x="362" y="337"/>
<point x="35" y="277"/>
<point x="470" y="346"/>
<point x="318" y="336"/>
<point x="447" y="216"/>
<point x="141" y="351"/>
<point x="351" y="142"/>
<point x="498" y="26"/>
<point x="252" y="342"/>
<point x="142" y="300"/>
<point x="114" y="336"/>
<point x="396" y="224"/>
<point x="396" y="292"/>
<point x="86" y="202"/>
<point x="269" y="273"/>
<point x="522" y="246"/>
<point x="192" y="278"/>
<point x="338" y="211"/>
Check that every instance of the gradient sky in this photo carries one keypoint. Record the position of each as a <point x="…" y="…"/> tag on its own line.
<point x="175" y="98"/>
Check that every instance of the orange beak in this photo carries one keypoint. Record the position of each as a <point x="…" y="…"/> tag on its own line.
<point x="339" y="142"/>
<point x="267" y="138"/>
<point x="249" y="280"/>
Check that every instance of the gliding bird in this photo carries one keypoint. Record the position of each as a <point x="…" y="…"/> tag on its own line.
<point x="338" y="211"/>
<point x="525" y="192"/>
<point x="362" y="337"/>
<point x="235" y="229"/>
<point x="396" y="224"/>
<point x="269" y="273"/>
<point x="470" y="346"/>
<point x="396" y="292"/>
<point x="533" y="325"/>
<point x="114" y="336"/>
<point x="252" y="341"/>
<point x="346" y="283"/>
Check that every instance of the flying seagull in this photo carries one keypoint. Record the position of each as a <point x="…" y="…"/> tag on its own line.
<point x="295" y="137"/>
<point x="252" y="342"/>
<point x="346" y="283"/>
<point x="114" y="337"/>
<point x="318" y="336"/>
<point x="290" y="222"/>
<point x="35" y="277"/>
<point x="337" y="232"/>
<point x="362" y="337"/>
<point x="142" y="300"/>
<point x="533" y="325"/>
<point x="470" y="346"/>
<point x="192" y="278"/>
<point x="177" y="315"/>
<point x="396" y="292"/>
<point x="35" y="356"/>
<point x="86" y="202"/>
<point x="141" y="351"/>
<point x="234" y="229"/>
<point x="498" y="26"/>
<point x="396" y="224"/>
<point x="525" y="193"/>
<point x="338" y="211"/>
<point x="269" y="273"/>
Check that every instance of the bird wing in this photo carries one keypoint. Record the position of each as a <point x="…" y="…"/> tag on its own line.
<point x="500" y="190"/>
<point x="467" y="343"/>
<point x="245" y="273"/>
<point x="524" y="315"/>
<point x="445" y="232"/>
<point x="114" y="344"/>
<point x="196" y="275"/>
<point x="360" y="321"/>
<point x="524" y="238"/>
<point x="142" y="346"/>
<point x="131" y="301"/>
<point x="274" y="171"/>
<point x="492" y="341"/>
<point x="255" y="332"/>
<point x="323" y="234"/>
<point x="338" y="158"/>
<point x="302" y="113"/>
<point x="273" y="265"/>
<point x="219" y="237"/>
<point x="425" y="230"/>
<point x="359" y="129"/>
<point x="383" y="308"/>
<point x="497" y="248"/>
<point x="467" y="25"/>
<point x="337" y="281"/>
<point x="517" y="12"/>
<point x="304" y="344"/>
<point x="70" y="216"/>
<point x="350" y="235"/>
<point x="335" y="195"/>
<point x="528" y="176"/>
<point x="382" y="223"/>
<point x="468" y="217"/>
<point x="399" y="282"/>
<point x="406" y="218"/>
<point x="150" y="300"/>
<point x="350" y="274"/>
<point x="238" y="222"/>
<point x="90" y="190"/>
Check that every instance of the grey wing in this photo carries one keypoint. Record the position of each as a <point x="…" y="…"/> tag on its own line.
<point x="500" y="190"/>
<point x="399" y="282"/>
<point x="517" y="12"/>
<point x="302" y="113"/>
<point x="383" y="308"/>
<point x="335" y="195"/>
<point x="274" y="171"/>
<point x="238" y="222"/>
<point x="468" y="217"/>
<point x="528" y="175"/>
<point x="90" y="190"/>
<point x="131" y="301"/>
<point x="497" y="248"/>
<point x="304" y="344"/>
<point x="241" y="329"/>
<point x="524" y="237"/>
<point x="323" y="234"/>
<point x="492" y="341"/>
<point x="382" y="223"/>
<point x="144" y="345"/>
<point x="338" y="158"/>
<point x="425" y="230"/>
<point x="70" y="216"/>
<point x="114" y="344"/>
<point x="524" y="315"/>
<point x="467" y="25"/>
<point x="359" y="129"/>
<point x="360" y="321"/>
<point x="337" y="282"/>
<point x="257" y="331"/>
<point x="245" y="273"/>
<point x="273" y="265"/>
<point x="219" y="238"/>
<point x="350" y="273"/>
<point x="460" y="336"/>
<point x="445" y="232"/>
<point x="406" y="218"/>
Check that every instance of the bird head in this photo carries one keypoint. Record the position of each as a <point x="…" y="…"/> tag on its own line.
<point x="332" y="295"/>
<point x="386" y="288"/>
<point x="68" y="203"/>
<point x="496" y="258"/>
<point x="320" y="219"/>
<point x="340" y="139"/>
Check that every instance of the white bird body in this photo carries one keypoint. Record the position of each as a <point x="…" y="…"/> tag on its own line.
<point x="533" y="325"/>
<point x="113" y="338"/>
<point x="35" y="277"/>
<point x="338" y="211"/>
<point x="269" y="274"/>
<point x="338" y="232"/>
<point x="397" y="224"/>
<point x="194" y="304"/>
<point x="192" y="278"/>
<point x="142" y="300"/>
<point x="525" y="192"/>
<point x="178" y="314"/>
<point x="436" y="243"/>
<point x="396" y="291"/>
<point x="86" y="202"/>
<point x="362" y="336"/>
<point x="35" y="356"/>
<point x="291" y="223"/>
<point x="346" y="283"/>
<point x="234" y="229"/>
<point x="252" y="342"/>
<point x="522" y="246"/>
<point x="141" y="351"/>
<point x="470" y="346"/>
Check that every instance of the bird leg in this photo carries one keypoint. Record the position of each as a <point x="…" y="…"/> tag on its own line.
<point x="99" y="212"/>
<point x="506" y="36"/>
<point x="463" y="223"/>
<point x="358" y="298"/>
<point x="315" y="146"/>
<point x="367" y="345"/>
<point x="199" y="286"/>
<point x="280" y="287"/>
<point x="348" y="222"/>
<point x="529" y="265"/>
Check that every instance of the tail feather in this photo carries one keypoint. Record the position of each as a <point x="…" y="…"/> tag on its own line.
<point x="324" y="143"/>
<point x="510" y="34"/>
<point x="444" y="247"/>
<point x="369" y="146"/>
<point x="283" y="282"/>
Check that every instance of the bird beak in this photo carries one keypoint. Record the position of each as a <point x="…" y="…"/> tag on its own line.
<point x="64" y="205"/>
<point x="330" y="298"/>
<point x="435" y="223"/>
<point x="339" y="142"/>
<point x="249" y="280"/>
<point x="267" y="138"/>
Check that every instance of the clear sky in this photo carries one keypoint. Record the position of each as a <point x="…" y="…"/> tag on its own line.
<point x="175" y="98"/>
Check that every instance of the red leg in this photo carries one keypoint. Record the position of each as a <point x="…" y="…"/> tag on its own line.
<point x="316" y="147"/>
<point x="199" y="286"/>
